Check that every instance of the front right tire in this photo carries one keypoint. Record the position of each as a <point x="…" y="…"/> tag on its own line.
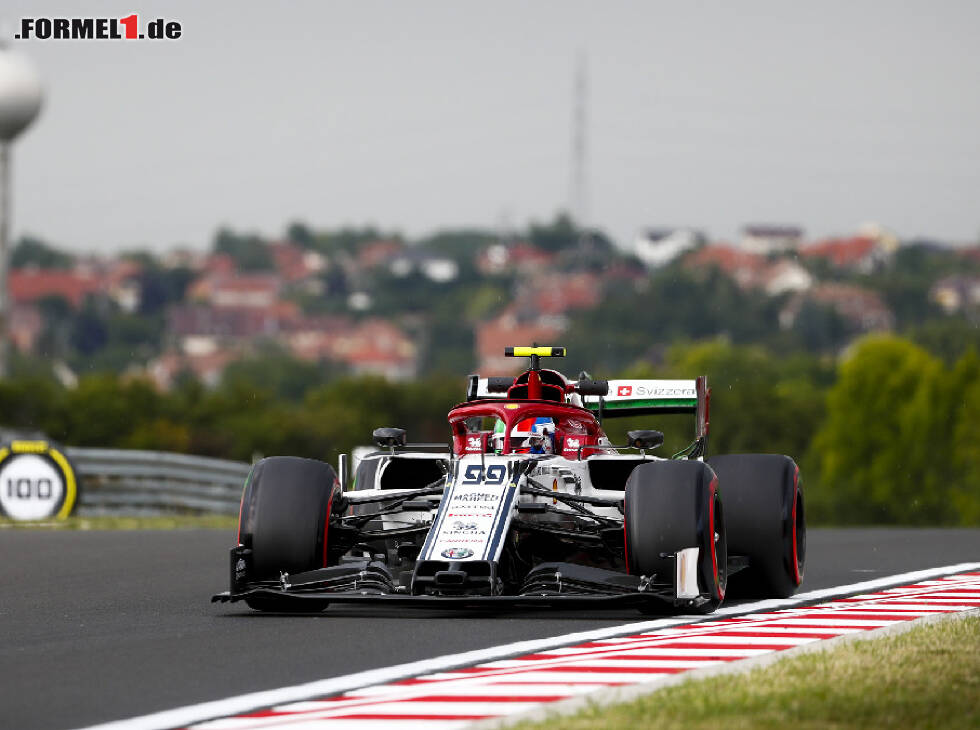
<point x="671" y="506"/>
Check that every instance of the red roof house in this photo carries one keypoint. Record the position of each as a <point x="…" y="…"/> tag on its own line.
<point x="27" y="286"/>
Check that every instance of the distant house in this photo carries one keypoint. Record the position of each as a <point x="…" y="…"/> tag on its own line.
<point x="743" y="267"/>
<point x="972" y="253"/>
<point x="219" y="264"/>
<point x="862" y="254"/>
<point x="27" y="286"/>
<point x="520" y="257"/>
<point x="209" y="338"/>
<point x="752" y="270"/>
<point x="863" y="309"/>
<point x="184" y="258"/>
<point x="202" y="329"/>
<point x="657" y="247"/>
<point x="509" y="329"/>
<point x="313" y="338"/>
<point x="767" y="239"/>
<point x="254" y="291"/>
<point x="557" y="292"/>
<point x="206" y="367"/>
<point x="440" y="269"/>
<point x="122" y="282"/>
<point x="782" y="276"/>
<point x="374" y="346"/>
<point x="378" y="253"/>
<point x="377" y="347"/>
<point x="359" y="301"/>
<point x="116" y="279"/>
<point x="295" y="264"/>
<point x="251" y="291"/>
<point x="956" y="293"/>
<point x="25" y="326"/>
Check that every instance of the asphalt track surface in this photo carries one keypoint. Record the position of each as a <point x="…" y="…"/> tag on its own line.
<point x="99" y="626"/>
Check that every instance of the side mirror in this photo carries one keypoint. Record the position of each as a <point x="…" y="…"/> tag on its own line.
<point x="389" y="437"/>
<point x="592" y="387"/>
<point x="645" y="439"/>
<point x="499" y="384"/>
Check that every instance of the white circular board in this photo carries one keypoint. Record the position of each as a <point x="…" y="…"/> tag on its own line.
<point x="31" y="488"/>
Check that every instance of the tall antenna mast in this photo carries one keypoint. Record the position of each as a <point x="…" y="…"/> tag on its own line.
<point x="579" y="193"/>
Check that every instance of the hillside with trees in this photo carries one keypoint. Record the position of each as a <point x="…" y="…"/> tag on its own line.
<point x="857" y="355"/>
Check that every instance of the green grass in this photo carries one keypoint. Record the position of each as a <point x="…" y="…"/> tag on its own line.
<point x="167" y="522"/>
<point x="928" y="677"/>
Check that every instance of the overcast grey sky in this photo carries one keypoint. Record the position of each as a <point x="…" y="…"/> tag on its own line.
<point x="420" y="115"/>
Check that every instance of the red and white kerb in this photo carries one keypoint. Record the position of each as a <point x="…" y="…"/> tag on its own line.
<point x="496" y="689"/>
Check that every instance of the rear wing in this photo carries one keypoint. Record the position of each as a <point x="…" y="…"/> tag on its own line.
<point x="646" y="397"/>
<point x="642" y="397"/>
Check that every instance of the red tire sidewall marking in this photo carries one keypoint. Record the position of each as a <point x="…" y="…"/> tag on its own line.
<point x="712" y="492"/>
<point x="326" y="522"/>
<point x="794" y="556"/>
<point x="241" y="510"/>
<point x="626" y="544"/>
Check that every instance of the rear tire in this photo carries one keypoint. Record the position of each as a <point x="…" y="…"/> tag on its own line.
<point x="670" y="506"/>
<point x="766" y="522"/>
<point x="285" y="515"/>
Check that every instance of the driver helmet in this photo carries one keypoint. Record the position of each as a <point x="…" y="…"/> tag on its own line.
<point x="541" y="440"/>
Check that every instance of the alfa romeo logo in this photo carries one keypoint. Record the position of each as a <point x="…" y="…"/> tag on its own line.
<point x="457" y="553"/>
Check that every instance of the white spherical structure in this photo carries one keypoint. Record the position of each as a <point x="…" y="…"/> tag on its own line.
<point x="20" y="94"/>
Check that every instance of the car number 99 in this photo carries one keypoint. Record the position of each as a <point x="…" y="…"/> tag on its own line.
<point x="492" y="476"/>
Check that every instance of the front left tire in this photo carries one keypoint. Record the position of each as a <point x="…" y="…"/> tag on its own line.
<point x="285" y="515"/>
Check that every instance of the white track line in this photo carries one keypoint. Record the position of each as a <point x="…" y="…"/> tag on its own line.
<point x="237" y="705"/>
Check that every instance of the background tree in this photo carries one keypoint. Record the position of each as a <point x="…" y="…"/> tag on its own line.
<point x="558" y="235"/>
<point x="275" y="370"/>
<point x="299" y="233"/>
<point x="964" y="492"/>
<point x="31" y="251"/>
<point x="250" y="251"/>
<point x="883" y="453"/>
<point x="161" y="287"/>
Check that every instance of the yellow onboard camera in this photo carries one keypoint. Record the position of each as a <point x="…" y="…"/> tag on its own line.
<point x="534" y="352"/>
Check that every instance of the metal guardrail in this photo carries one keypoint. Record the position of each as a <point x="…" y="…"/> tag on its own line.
<point x="132" y="482"/>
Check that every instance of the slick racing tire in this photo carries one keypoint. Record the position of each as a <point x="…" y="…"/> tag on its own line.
<point x="671" y="506"/>
<point x="285" y="515"/>
<point x="766" y="522"/>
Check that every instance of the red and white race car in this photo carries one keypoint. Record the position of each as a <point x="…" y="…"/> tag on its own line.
<point x="529" y="505"/>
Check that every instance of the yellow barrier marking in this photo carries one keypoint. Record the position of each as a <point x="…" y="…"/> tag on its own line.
<point x="71" y="490"/>
<point x="29" y="447"/>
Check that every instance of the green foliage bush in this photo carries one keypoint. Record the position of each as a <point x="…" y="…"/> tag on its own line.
<point x="899" y="443"/>
<point x="31" y="251"/>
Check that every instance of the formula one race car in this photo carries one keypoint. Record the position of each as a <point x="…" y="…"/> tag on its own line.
<point x="529" y="505"/>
